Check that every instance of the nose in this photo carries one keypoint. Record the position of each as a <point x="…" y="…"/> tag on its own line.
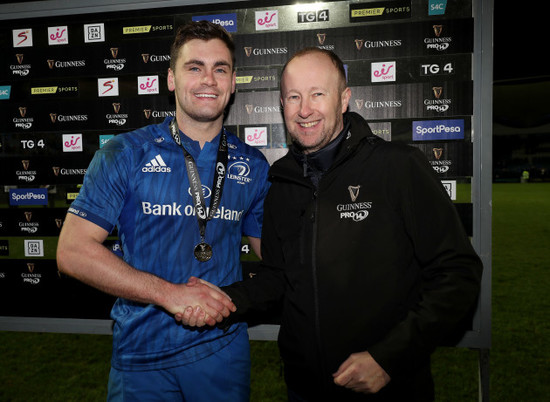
<point x="208" y="78"/>
<point x="305" y="108"/>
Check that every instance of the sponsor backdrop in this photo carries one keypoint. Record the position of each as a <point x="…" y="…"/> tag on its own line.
<point x="69" y="84"/>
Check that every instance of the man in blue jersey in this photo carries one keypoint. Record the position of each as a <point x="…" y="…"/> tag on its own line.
<point x="181" y="194"/>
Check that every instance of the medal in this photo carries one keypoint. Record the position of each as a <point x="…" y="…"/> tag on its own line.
<point x="203" y="251"/>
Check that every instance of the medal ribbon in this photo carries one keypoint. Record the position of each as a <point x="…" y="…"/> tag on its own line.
<point x="195" y="181"/>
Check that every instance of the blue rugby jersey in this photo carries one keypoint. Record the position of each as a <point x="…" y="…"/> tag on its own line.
<point x="138" y="182"/>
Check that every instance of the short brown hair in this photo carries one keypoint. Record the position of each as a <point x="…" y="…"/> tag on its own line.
<point x="330" y="54"/>
<point x="203" y="30"/>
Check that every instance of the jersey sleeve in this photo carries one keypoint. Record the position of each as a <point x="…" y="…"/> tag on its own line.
<point x="102" y="195"/>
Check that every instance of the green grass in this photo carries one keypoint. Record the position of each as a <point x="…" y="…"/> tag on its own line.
<point x="520" y="359"/>
<point x="68" y="367"/>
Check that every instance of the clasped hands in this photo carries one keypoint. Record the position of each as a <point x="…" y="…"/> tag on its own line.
<point x="206" y="304"/>
<point x="209" y="305"/>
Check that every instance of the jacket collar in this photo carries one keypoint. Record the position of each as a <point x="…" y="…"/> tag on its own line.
<point x="359" y="131"/>
<point x="315" y="164"/>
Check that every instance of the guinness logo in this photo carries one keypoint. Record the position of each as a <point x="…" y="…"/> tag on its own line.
<point x="58" y="222"/>
<point x="116" y="107"/>
<point x="354" y="192"/>
<point x="55" y="170"/>
<point x="147" y="113"/>
<point x="359" y="103"/>
<point x="30" y="267"/>
<point x="51" y="63"/>
<point x="437" y="30"/>
<point x="25" y="164"/>
<point x="19" y="57"/>
<point x="28" y="216"/>
<point x="321" y="37"/>
<point x="114" y="52"/>
<point x="145" y="57"/>
<point x="359" y="43"/>
<point x="437" y="91"/>
<point x="53" y="117"/>
<point x="438" y="152"/>
<point x="249" y="108"/>
<point x="248" y="51"/>
<point x="22" y="111"/>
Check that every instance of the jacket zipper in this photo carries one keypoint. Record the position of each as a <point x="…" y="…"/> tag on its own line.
<point x="315" y="234"/>
<point x="317" y="321"/>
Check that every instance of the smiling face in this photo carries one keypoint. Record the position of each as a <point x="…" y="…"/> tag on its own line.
<point x="313" y="98"/>
<point x="202" y="80"/>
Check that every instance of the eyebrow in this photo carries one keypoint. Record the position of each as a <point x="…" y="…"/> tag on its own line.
<point x="201" y="63"/>
<point x="312" y="89"/>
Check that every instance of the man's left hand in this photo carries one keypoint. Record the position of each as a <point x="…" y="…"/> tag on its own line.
<point x="361" y="373"/>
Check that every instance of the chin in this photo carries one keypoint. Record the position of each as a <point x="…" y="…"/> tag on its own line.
<point x="205" y="118"/>
<point x="306" y="146"/>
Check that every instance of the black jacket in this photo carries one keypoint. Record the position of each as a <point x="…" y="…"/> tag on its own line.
<point x="374" y="259"/>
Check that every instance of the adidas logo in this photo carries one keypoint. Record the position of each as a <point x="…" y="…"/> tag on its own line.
<point x="157" y="165"/>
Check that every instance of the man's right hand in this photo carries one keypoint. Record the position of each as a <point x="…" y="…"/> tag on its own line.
<point x="205" y="304"/>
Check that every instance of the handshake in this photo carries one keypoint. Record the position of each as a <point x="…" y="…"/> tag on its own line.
<point x="202" y="304"/>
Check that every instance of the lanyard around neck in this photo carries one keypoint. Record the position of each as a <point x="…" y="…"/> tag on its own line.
<point x="203" y="216"/>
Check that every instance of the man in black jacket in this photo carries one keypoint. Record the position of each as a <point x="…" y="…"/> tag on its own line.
<point x="362" y="245"/>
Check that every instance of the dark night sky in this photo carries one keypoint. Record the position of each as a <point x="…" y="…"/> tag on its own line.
<point x="521" y="73"/>
<point x="521" y="37"/>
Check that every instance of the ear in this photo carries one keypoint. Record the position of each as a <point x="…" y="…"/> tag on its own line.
<point x="171" y="80"/>
<point x="345" y="97"/>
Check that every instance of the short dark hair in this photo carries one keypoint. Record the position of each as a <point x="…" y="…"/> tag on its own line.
<point x="204" y="30"/>
<point x="330" y="54"/>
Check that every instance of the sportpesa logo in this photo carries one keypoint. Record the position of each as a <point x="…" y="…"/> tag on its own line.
<point x="430" y="130"/>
